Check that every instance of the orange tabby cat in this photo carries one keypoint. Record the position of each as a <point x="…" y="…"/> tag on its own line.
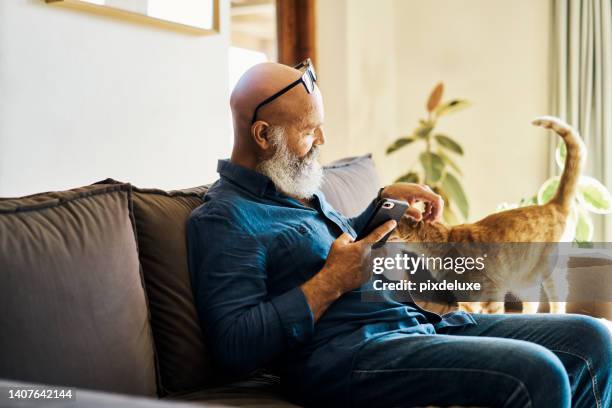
<point x="537" y="223"/>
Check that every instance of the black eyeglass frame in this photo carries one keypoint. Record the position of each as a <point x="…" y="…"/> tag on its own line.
<point x="309" y="72"/>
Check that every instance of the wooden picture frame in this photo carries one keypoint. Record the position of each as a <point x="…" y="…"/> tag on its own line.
<point x="112" y="8"/>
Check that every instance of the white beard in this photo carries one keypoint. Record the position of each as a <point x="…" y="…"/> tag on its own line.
<point x="294" y="176"/>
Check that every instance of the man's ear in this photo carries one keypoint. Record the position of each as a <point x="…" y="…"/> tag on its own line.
<point x="259" y="132"/>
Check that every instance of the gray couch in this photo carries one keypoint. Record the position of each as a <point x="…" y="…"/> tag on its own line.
<point x="95" y="295"/>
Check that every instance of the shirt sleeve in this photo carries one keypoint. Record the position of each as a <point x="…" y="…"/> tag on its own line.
<point x="245" y="328"/>
<point x="358" y="222"/>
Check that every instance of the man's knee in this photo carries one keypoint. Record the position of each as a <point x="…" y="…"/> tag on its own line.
<point x="543" y="375"/>
<point x="592" y="338"/>
<point x="599" y="333"/>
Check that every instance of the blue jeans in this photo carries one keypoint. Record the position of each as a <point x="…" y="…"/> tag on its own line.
<point x="535" y="361"/>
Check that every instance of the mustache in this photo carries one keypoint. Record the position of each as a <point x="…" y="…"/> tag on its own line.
<point x="312" y="154"/>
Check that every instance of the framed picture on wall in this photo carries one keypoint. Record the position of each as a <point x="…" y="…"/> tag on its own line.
<point x="195" y="16"/>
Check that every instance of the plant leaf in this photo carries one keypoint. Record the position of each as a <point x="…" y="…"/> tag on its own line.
<point x="435" y="96"/>
<point x="433" y="166"/>
<point x="399" y="143"/>
<point x="584" y="227"/>
<point x="560" y="153"/>
<point x="423" y="130"/>
<point x="449" y="216"/>
<point x="452" y="186"/>
<point x="410" y="177"/>
<point x="450" y="162"/>
<point x="449" y="143"/>
<point x="548" y="190"/>
<point x="594" y="196"/>
<point x="451" y="106"/>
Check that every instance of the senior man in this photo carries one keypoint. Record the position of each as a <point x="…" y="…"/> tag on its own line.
<point x="278" y="283"/>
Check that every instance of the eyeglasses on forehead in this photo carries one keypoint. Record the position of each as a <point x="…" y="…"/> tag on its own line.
<point x="308" y="79"/>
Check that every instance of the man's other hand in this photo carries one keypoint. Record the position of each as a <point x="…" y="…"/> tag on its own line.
<point x="416" y="193"/>
<point x="344" y="269"/>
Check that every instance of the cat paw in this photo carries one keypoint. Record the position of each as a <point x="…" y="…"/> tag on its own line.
<point x="551" y="122"/>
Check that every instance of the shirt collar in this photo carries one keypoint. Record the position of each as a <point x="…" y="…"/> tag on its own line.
<point x="248" y="179"/>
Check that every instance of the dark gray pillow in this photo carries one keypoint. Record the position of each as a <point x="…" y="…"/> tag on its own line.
<point x="161" y="221"/>
<point x="351" y="184"/>
<point x="74" y="311"/>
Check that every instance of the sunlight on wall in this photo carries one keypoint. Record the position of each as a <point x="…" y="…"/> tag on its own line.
<point x="197" y="13"/>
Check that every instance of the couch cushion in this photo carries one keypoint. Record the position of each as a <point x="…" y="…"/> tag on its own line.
<point x="161" y="217"/>
<point x="260" y="391"/>
<point x="351" y="184"/>
<point x="73" y="307"/>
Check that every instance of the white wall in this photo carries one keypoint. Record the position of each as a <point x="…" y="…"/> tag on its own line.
<point x="356" y="65"/>
<point x="493" y="52"/>
<point x="84" y="97"/>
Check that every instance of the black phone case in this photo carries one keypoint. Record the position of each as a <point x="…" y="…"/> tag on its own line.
<point x="382" y="215"/>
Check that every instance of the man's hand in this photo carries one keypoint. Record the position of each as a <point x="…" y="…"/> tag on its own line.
<point x="344" y="265"/>
<point x="343" y="270"/>
<point x="414" y="193"/>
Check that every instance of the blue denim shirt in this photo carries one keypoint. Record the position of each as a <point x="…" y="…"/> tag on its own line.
<point x="250" y="248"/>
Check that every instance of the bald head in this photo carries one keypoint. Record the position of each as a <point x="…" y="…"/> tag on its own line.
<point x="257" y="84"/>
<point x="295" y="110"/>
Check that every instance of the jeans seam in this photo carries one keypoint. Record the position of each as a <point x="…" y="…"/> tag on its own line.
<point x="589" y="369"/>
<point x="391" y="370"/>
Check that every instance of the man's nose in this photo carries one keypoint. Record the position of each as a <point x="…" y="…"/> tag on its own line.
<point x="320" y="136"/>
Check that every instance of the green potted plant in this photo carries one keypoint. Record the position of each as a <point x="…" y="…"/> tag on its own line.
<point x="592" y="197"/>
<point x="435" y="165"/>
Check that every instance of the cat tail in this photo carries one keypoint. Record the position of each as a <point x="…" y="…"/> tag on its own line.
<point x="574" y="159"/>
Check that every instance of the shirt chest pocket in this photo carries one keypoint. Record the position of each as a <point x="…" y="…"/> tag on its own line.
<point x="303" y="248"/>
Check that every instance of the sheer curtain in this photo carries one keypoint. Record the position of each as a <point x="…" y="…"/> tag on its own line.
<point x="582" y="88"/>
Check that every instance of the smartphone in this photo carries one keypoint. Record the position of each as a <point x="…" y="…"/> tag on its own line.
<point x="385" y="210"/>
